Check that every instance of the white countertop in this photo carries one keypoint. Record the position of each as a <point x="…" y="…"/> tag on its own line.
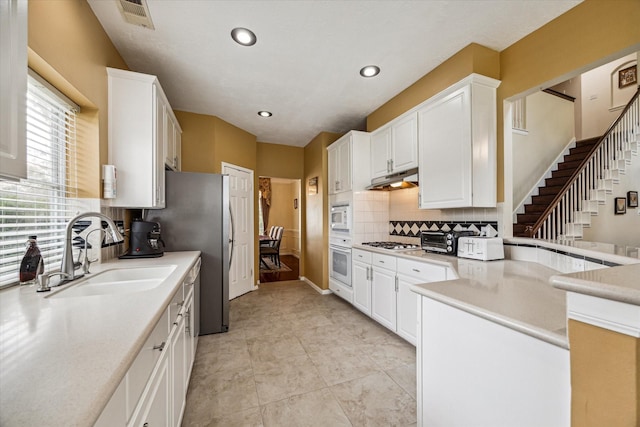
<point x="61" y="359"/>
<point x="620" y="284"/>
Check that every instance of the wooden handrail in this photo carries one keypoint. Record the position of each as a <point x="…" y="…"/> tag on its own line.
<point x="569" y="182"/>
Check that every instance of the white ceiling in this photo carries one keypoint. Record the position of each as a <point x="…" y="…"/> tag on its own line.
<point x="304" y="67"/>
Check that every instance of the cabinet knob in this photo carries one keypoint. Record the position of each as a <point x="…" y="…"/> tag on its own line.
<point x="159" y="347"/>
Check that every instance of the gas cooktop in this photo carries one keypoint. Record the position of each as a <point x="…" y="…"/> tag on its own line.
<point x="392" y="246"/>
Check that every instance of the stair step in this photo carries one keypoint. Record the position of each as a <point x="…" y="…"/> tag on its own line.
<point x="573" y="164"/>
<point x="520" y="230"/>
<point x="590" y="206"/>
<point x="562" y="173"/>
<point x="574" y="157"/>
<point x="552" y="182"/>
<point x="542" y="200"/>
<point x="599" y="196"/>
<point x="573" y="230"/>
<point x="549" y="190"/>
<point x="535" y="208"/>
<point x="583" y="218"/>
<point x="581" y="151"/>
<point x="528" y="218"/>
<point x="606" y="185"/>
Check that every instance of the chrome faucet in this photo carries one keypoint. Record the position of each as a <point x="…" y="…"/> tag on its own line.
<point x="68" y="267"/>
<point x="86" y="262"/>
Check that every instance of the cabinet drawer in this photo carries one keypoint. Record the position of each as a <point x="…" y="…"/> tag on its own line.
<point x="362" y="256"/>
<point x="144" y="363"/>
<point x="384" y="261"/>
<point x="422" y="270"/>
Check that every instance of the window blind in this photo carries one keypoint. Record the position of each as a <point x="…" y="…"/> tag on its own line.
<point x="42" y="204"/>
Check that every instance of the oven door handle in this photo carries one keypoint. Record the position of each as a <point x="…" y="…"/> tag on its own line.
<point x="340" y="249"/>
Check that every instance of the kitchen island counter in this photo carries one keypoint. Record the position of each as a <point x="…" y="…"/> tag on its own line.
<point x="515" y="294"/>
<point x="61" y="359"/>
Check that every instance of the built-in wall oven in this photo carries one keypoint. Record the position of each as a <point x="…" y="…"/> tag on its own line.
<point x="340" y="260"/>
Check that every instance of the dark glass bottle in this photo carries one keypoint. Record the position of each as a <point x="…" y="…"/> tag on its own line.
<point x="32" y="263"/>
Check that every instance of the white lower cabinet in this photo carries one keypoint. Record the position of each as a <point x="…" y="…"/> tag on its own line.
<point x="361" y="276"/>
<point x="153" y="391"/>
<point x="413" y="273"/>
<point x="382" y="289"/>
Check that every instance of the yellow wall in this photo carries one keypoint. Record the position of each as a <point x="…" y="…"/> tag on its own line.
<point x="197" y="142"/>
<point x="315" y="239"/>
<point x="605" y="380"/>
<point x="281" y="161"/>
<point x="472" y="59"/>
<point x="69" y="48"/>
<point x="233" y="145"/>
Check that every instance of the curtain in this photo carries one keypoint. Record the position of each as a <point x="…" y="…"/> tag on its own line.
<point x="264" y="185"/>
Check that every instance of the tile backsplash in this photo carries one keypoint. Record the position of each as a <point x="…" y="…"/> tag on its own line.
<point x="404" y="220"/>
<point x="370" y="212"/>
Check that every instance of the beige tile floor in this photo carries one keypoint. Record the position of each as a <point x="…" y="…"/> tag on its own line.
<point x="293" y="357"/>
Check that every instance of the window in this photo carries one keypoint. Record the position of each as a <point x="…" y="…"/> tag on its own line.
<point x="42" y="203"/>
<point x="519" y="114"/>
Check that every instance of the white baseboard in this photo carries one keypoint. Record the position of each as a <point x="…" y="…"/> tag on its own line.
<point x="315" y="287"/>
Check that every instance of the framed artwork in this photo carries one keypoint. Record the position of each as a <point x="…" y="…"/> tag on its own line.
<point x="628" y="76"/>
<point x="295" y="203"/>
<point x="632" y="199"/>
<point x="313" y="186"/>
<point x="620" y="205"/>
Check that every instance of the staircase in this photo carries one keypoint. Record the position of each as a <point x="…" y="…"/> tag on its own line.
<point x="552" y="187"/>
<point x="582" y="181"/>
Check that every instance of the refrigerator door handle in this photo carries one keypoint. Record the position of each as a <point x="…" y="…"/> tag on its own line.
<point x="232" y="237"/>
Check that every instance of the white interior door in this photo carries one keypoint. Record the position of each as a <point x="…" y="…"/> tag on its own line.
<point x="241" y="204"/>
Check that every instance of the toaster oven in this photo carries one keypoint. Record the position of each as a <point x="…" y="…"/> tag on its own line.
<point x="444" y="242"/>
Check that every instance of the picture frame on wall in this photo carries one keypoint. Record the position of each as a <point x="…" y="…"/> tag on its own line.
<point x="628" y="76"/>
<point x="620" y="205"/>
<point x="632" y="199"/>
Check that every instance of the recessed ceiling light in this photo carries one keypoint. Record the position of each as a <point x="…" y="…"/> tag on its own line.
<point x="243" y="36"/>
<point x="370" y="71"/>
<point x="264" y="114"/>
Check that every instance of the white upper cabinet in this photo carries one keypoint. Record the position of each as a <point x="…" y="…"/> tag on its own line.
<point x="144" y="135"/>
<point x="349" y="163"/>
<point x="13" y="88"/>
<point x="394" y="147"/>
<point x="457" y="146"/>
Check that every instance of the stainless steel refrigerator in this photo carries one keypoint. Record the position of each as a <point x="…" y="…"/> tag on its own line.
<point x="197" y="217"/>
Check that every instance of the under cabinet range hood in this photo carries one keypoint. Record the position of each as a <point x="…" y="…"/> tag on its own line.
<point x="396" y="181"/>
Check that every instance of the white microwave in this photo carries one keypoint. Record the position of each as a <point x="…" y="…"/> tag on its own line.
<point x="341" y="217"/>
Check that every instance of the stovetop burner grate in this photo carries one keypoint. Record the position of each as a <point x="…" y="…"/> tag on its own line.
<point x="391" y="245"/>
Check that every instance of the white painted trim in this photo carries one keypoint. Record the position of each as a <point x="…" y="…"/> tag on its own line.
<point x="507" y="132"/>
<point x="607" y="314"/>
<point x="315" y="287"/>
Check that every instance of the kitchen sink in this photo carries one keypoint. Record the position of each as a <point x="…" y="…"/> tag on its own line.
<point x="116" y="281"/>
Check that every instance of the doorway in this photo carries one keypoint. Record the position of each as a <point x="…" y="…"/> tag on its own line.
<point x="279" y="205"/>
<point x="242" y="235"/>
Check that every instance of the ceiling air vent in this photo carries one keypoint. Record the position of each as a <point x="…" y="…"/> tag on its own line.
<point x="136" y="12"/>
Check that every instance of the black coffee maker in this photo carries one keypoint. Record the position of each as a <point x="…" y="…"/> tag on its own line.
<point x="144" y="240"/>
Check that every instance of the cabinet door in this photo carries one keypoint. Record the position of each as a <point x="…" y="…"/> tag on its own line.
<point x="13" y="88"/>
<point x="168" y="142"/>
<point x="158" y="150"/>
<point x="333" y="170"/>
<point x="177" y="151"/>
<point x="344" y="166"/>
<point x="407" y="308"/>
<point x="361" y="287"/>
<point x="380" y="156"/>
<point x="404" y="143"/>
<point x="157" y="410"/>
<point x="383" y="297"/>
<point x="178" y="373"/>
<point x="445" y="152"/>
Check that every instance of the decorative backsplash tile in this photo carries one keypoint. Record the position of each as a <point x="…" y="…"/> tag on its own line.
<point x="413" y="228"/>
